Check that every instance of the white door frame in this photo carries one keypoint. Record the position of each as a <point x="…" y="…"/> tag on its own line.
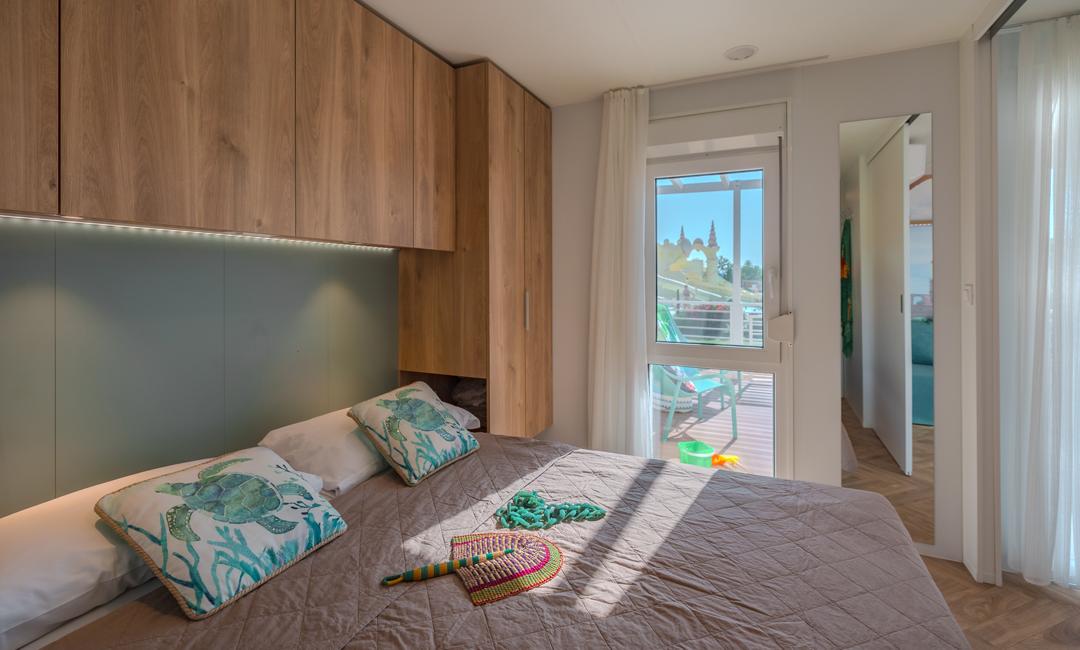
<point x="772" y="358"/>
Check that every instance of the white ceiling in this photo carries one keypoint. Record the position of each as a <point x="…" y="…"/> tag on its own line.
<point x="568" y="51"/>
<point x="863" y="138"/>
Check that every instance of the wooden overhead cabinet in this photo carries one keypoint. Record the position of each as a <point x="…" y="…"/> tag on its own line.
<point x="354" y="117"/>
<point x="179" y="113"/>
<point x="484" y="311"/>
<point x="29" y="107"/>
<point x="433" y="151"/>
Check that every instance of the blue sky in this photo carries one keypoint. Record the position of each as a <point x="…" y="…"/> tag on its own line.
<point x="695" y="210"/>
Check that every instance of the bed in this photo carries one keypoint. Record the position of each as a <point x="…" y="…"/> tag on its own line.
<point x="684" y="556"/>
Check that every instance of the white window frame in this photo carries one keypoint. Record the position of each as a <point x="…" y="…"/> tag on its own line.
<point x="767" y="160"/>
<point x="767" y="359"/>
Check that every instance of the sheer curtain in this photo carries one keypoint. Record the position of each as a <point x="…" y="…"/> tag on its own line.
<point x="618" y="387"/>
<point x="1040" y="330"/>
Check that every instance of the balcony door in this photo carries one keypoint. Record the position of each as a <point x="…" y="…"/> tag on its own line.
<point x="715" y="372"/>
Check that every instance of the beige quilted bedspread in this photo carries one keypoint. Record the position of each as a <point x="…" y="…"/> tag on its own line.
<point x="685" y="558"/>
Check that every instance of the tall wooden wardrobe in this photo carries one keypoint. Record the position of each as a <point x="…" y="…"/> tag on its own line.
<point x="484" y="311"/>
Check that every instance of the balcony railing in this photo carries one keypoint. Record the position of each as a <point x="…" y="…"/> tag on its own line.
<point x="709" y="322"/>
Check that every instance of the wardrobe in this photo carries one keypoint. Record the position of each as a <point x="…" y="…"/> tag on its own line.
<point x="483" y="312"/>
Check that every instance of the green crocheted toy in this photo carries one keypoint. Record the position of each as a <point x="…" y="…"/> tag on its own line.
<point x="528" y="510"/>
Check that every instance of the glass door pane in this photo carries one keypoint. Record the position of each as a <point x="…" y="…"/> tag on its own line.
<point x="714" y="418"/>
<point x="710" y="248"/>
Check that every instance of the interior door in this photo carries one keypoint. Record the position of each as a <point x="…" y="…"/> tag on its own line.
<point x="891" y="360"/>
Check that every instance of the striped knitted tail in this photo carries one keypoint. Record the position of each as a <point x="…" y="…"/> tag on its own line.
<point x="442" y="568"/>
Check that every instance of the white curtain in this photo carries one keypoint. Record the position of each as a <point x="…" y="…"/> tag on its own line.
<point x="1041" y="361"/>
<point x="618" y="386"/>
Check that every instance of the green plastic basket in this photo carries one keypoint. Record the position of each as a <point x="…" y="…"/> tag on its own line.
<point x="695" y="452"/>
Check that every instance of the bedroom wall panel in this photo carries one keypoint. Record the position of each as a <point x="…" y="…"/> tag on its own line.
<point x="139" y="381"/>
<point x="172" y="347"/>
<point x="275" y="339"/>
<point x="26" y="365"/>
<point x="305" y="333"/>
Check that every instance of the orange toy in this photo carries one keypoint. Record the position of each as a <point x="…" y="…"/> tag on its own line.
<point x="724" y="460"/>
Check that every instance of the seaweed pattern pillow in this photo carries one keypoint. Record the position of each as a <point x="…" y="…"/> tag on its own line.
<point x="214" y="531"/>
<point x="414" y="431"/>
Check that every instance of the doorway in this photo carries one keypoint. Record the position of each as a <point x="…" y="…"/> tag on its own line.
<point x="887" y="314"/>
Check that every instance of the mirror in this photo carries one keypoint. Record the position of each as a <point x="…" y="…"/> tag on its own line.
<point x="887" y="314"/>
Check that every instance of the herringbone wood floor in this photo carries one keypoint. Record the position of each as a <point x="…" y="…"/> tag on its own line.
<point x="1014" y="615"/>
<point x="912" y="496"/>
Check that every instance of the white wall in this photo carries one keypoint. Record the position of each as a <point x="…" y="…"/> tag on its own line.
<point x="850" y="201"/>
<point x="821" y="97"/>
<point x="575" y="146"/>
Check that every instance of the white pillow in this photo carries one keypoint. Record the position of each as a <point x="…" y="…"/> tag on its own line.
<point x="330" y="446"/>
<point x="59" y="561"/>
<point x="464" y="417"/>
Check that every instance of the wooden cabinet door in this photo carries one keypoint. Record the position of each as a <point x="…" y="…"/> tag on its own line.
<point x="179" y="113"/>
<point x="247" y="116"/>
<point x="29" y="106"/>
<point x="433" y="151"/>
<point x="506" y="250"/>
<point x="354" y="125"/>
<point x="538" y="315"/>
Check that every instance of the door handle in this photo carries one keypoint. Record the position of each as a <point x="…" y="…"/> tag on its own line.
<point x="527" y="314"/>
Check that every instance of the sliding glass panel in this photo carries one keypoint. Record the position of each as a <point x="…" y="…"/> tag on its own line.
<point x="710" y="235"/>
<point x="714" y="418"/>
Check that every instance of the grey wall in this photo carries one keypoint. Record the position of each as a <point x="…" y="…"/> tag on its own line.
<point x="820" y="97"/>
<point x="123" y="350"/>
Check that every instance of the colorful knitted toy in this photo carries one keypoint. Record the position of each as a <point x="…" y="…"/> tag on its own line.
<point x="528" y="510"/>
<point x="495" y="565"/>
<point x="442" y="568"/>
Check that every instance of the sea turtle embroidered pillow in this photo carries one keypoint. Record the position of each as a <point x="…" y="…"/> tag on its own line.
<point x="215" y="531"/>
<point x="413" y="430"/>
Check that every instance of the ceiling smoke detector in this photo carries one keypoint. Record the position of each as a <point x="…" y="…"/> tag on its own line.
<point x="741" y="52"/>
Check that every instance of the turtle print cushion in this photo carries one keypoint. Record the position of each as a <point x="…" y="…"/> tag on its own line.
<point x="414" y="431"/>
<point x="215" y="531"/>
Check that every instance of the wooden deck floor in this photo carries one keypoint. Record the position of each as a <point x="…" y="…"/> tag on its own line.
<point x="912" y="496"/>
<point x="754" y="419"/>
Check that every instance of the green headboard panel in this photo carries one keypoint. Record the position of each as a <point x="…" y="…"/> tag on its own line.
<point x="123" y="350"/>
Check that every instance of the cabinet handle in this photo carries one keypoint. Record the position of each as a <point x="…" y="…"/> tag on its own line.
<point x="527" y="310"/>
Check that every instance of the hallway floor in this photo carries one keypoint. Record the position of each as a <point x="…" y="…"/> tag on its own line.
<point x="912" y="496"/>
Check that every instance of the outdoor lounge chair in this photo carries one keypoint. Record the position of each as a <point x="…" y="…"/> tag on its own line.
<point x="671" y="382"/>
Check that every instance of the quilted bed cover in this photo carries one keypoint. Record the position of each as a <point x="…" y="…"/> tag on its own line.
<point x="686" y="557"/>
